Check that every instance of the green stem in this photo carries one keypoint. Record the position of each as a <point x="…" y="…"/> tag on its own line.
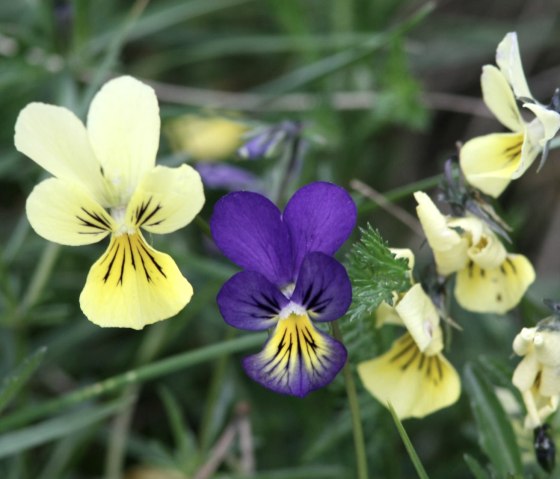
<point x="134" y="376"/>
<point x="151" y="344"/>
<point x="39" y="280"/>
<point x="16" y="240"/>
<point x="359" y="443"/>
<point x="402" y="192"/>
<point x="203" y="225"/>
<point x="116" y="448"/>
<point x="208" y="418"/>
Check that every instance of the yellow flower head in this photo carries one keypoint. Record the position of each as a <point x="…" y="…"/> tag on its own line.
<point x="413" y="376"/>
<point x="489" y="279"/>
<point x="537" y="376"/>
<point x="210" y="138"/>
<point x="106" y="183"/>
<point x="490" y="162"/>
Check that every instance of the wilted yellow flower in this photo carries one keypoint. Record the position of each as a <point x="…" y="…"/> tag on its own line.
<point x="413" y="376"/>
<point x="106" y="183"/>
<point x="537" y="376"/>
<point x="489" y="279"/>
<point x="490" y="162"/>
<point x="210" y="138"/>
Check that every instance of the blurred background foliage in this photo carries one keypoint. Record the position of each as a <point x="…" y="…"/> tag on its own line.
<point x="384" y="90"/>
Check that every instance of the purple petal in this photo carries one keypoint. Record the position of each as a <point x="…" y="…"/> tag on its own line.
<point x="249" y="301"/>
<point x="323" y="287"/>
<point x="297" y="359"/>
<point x="228" y="177"/>
<point x="248" y="229"/>
<point x="320" y="217"/>
<point x="261" y="145"/>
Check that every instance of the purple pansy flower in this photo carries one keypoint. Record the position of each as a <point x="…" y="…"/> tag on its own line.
<point x="290" y="280"/>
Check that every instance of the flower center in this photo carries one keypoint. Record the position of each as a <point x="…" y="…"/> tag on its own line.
<point x="292" y="309"/>
<point x="119" y="215"/>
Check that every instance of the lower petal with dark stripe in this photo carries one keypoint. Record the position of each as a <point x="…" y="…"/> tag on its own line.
<point x="297" y="359"/>
<point x="495" y="290"/>
<point x="133" y="285"/>
<point x="249" y="301"/>
<point x="415" y="384"/>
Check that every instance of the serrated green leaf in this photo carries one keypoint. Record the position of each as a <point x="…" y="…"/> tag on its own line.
<point x="496" y="436"/>
<point x="476" y="468"/>
<point x="375" y="273"/>
<point x="15" y="381"/>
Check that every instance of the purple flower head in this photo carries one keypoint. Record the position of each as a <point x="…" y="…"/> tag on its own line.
<point x="290" y="280"/>
<point x="228" y="177"/>
<point x="266" y="142"/>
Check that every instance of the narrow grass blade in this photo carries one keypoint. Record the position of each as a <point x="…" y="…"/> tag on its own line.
<point x="60" y="426"/>
<point x="15" y="381"/>
<point x="476" y="468"/>
<point x="496" y="436"/>
<point x="422" y="474"/>
<point x="134" y="376"/>
<point x="333" y="63"/>
<point x="159" y="19"/>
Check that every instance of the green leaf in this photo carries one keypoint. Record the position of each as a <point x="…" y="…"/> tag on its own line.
<point x="475" y="467"/>
<point x="15" y="381"/>
<point x="341" y="60"/>
<point x="375" y="273"/>
<point x="60" y="426"/>
<point x="158" y="19"/>
<point x="327" y="471"/>
<point x="496" y="436"/>
<point x="185" y="443"/>
<point x="422" y="474"/>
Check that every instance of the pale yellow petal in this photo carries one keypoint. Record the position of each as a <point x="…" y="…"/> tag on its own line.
<point x="530" y="149"/>
<point x="550" y="380"/>
<point x="508" y="59"/>
<point x="485" y="248"/>
<point x="450" y="249"/>
<point x="526" y="372"/>
<point x="206" y="138"/>
<point x="386" y="314"/>
<point x="546" y="125"/>
<point x="489" y="162"/>
<point x="123" y="126"/>
<point x="547" y="343"/>
<point x="494" y="290"/>
<point x="414" y="384"/>
<point x="498" y="96"/>
<point x="421" y="319"/>
<point x="471" y="226"/>
<point x="539" y="407"/>
<point x="408" y="255"/>
<point x="405" y="253"/>
<point x="55" y="139"/>
<point x="66" y="213"/>
<point x="133" y="285"/>
<point x="523" y="342"/>
<point x="166" y="199"/>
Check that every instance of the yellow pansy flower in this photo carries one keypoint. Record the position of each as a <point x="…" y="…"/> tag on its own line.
<point x="490" y="162"/>
<point x="205" y="138"/>
<point x="489" y="279"/>
<point x="537" y="376"/>
<point x="413" y="376"/>
<point x="106" y="183"/>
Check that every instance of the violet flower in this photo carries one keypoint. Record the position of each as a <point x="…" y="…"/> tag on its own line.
<point x="290" y="280"/>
